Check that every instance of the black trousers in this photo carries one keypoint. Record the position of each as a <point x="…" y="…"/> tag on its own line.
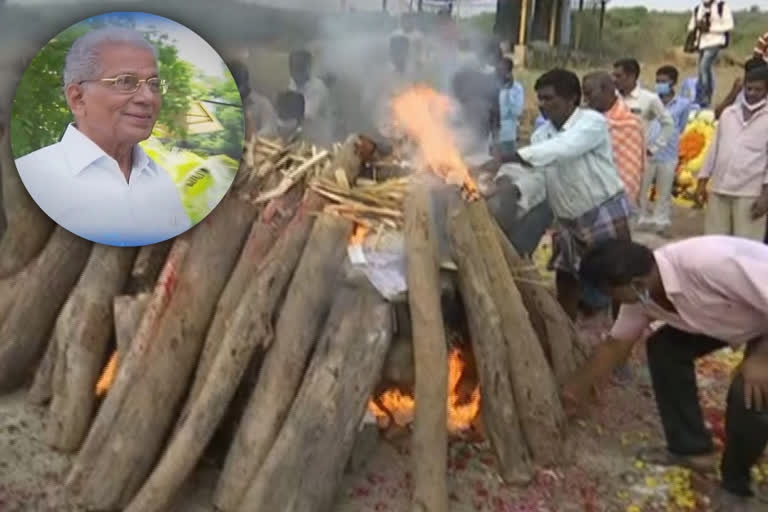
<point x="671" y="356"/>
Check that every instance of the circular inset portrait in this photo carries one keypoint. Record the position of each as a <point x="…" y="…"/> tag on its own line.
<point x="127" y="129"/>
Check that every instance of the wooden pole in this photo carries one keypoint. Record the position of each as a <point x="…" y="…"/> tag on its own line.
<point x="36" y="304"/>
<point x="535" y="388"/>
<point x="554" y="22"/>
<point x="501" y="420"/>
<point x="306" y="463"/>
<point x="82" y="333"/>
<point x="523" y="22"/>
<point x="142" y="405"/>
<point x="430" y="439"/>
<point x="306" y="305"/>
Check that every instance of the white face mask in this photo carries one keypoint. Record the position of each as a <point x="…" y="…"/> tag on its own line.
<point x="644" y="295"/>
<point x="753" y="107"/>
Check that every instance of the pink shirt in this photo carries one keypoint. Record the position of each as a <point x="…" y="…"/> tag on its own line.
<point x="718" y="285"/>
<point x="737" y="161"/>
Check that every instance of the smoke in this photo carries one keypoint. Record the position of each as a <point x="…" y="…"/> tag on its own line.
<point x="349" y="48"/>
<point x="351" y="51"/>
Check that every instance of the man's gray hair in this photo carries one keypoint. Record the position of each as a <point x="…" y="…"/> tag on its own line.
<point x="82" y="61"/>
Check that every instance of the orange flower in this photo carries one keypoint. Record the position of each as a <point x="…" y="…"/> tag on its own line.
<point x="692" y="144"/>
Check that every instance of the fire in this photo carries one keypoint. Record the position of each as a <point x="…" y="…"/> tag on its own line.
<point x="358" y="235"/>
<point x="460" y="415"/>
<point x="422" y="114"/>
<point x="107" y="376"/>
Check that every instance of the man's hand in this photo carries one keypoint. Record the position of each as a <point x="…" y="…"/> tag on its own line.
<point x="760" y="207"/>
<point x="575" y="393"/>
<point x="700" y="196"/>
<point x="754" y="369"/>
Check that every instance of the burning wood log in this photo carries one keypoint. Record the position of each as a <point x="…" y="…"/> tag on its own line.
<point x="128" y="311"/>
<point x="430" y="440"/>
<point x="261" y="420"/>
<point x="535" y="389"/>
<point x="82" y="334"/>
<point x="248" y="327"/>
<point x="140" y="408"/>
<point x="306" y="463"/>
<point x="28" y="229"/>
<point x="554" y="328"/>
<point x="306" y="305"/>
<point x="35" y="305"/>
<point x="40" y="391"/>
<point x="500" y="416"/>
<point x="147" y="267"/>
<point x="260" y="242"/>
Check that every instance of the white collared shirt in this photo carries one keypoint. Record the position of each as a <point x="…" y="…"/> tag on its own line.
<point x="719" y="25"/>
<point x="648" y="106"/>
<point x="83" y="189"/>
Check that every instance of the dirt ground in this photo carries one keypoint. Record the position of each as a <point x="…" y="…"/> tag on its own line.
<point x="598" y="473"/>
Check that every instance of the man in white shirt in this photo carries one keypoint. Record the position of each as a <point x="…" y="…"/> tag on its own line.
<point x="573" y="151"/>
<point x="260" y="115"/>
<point x="96" y="181"/>
<point x="712" y="20"/>
<point x="318" y="122"/>
<point x="643" y="103"/>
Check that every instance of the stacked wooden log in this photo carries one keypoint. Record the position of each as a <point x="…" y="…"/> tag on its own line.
<point x="255" y="318"/>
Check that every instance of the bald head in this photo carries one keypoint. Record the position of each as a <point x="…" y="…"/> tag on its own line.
<point x="599" y="91"/>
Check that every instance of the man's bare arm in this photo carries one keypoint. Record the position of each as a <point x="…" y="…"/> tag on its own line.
<point x="605" y="358"/>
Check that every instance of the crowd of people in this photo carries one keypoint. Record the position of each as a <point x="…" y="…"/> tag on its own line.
<point x="599" y="146"/>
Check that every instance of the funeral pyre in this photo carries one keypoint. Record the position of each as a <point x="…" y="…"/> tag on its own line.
<point x="271" y="324"/>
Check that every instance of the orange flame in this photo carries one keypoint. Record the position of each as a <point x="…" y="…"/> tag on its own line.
<point x="460" y="416"/>
<point x="107" y="376"/>
<point x="358" y="235"/>
<point x="422" y="114"/>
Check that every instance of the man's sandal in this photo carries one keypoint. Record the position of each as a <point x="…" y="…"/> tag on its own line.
<point x="660" y="456"/>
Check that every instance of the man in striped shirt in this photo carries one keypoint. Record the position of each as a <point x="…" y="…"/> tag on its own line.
<point x="627" y="131"/>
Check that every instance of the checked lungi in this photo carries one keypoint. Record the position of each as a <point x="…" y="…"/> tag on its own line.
<point x="574" y="237"/>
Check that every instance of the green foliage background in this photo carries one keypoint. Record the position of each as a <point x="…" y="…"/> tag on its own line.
<point x="40" y="114"/>
<point x="648" y="35"/>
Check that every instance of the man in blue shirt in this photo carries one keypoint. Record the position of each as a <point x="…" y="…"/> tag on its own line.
<point x="511" y="104"/>
<point x="663" y="163"/>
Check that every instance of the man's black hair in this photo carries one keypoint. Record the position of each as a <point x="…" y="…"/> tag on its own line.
<point x="670" y="71"/>
<point x="754" y="63"/>
<point x="615" y="263"/>
<point x="757" y="74"/>
<point x="290" y="105"/>
<point x="629" y="65"/>
<point x="565" y="83"/>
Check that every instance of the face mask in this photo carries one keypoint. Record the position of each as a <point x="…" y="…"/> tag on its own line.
<point x="753" y="107"/>
<point x="644" y="296"/>
<point x="663" y="88"/>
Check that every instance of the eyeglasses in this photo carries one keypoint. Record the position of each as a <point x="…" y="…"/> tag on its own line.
<point x="129" y="84"/>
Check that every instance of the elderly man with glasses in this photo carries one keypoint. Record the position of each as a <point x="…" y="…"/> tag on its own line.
<point x="96" y="181"/>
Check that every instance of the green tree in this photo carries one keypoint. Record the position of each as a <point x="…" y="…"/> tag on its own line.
<point x="40" y="113"/>
<point x="228" y="141"/>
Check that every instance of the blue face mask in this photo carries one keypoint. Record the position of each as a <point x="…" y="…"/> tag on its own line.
<point x="663" y="88"/>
